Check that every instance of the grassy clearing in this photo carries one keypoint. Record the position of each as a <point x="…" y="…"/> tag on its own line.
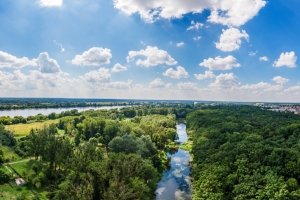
<point x="11" y="193"/>
<point x="9" y="153"/>
<point x="24" y="129"/>
<point x="24" y="168"/>
<point x="8" y="192"/>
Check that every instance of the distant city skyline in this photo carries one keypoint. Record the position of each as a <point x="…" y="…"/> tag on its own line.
<point x="225" y="50"/>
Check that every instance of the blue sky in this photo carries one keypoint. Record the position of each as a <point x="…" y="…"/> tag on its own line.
<point x="224" y="50"/>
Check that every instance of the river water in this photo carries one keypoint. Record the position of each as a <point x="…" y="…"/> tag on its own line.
<point x="46" y="111"/>
<point x="175" y="184"/>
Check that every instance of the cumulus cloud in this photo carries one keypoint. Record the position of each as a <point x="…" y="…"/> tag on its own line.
<point x="158" y="83"/>
<point x="154" y="57"/>
<point x="287" y="59"/>
<point x="197" y="38"/>
<point x="187" y="86"/>
<point x="207" y="74"/>
<point x="46" y="64"/>
<point x="180" y="44"/>
<point x="9" y="61"/>
<point x="266" y="87"/>
<point x="280" y="80"/>
<point x="263" y="58"/>
<point x="194" y="25"/>
<point x="120" y="84"/>
<point x="95" y="56"/>
<point x="102" y="75"/>
<point x="118" y="68"/>
<point x="178" y="74"/>
<point x="226" y="12"/>
<point x="293" y="89"/>
<point x="230" y="39"/>
<point x="225" y="81"/>
<point x="18" y="83"/>
<point x="219" y="63"/>
<point x="235" y="13"/>
<point x="50" y="3"/>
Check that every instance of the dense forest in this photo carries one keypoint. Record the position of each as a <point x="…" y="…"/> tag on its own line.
<point x="239" y="152"/>
<point x="243" y="152"/>
<point x="103" y="154"/>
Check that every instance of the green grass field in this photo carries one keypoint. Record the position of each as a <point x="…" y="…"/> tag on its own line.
<point x="8" y="192"/>
<point x="25" y="167"/>
<point x="21" y="130"/>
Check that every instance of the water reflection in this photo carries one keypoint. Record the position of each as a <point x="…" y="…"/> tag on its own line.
<point x="175" y="183"/>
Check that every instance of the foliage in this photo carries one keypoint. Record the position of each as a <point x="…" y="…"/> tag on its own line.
<point x="243" y="152"/>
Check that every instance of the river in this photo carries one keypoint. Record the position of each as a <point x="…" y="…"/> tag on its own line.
<point x="175" y="184"/>
<point x="46" y="111"/>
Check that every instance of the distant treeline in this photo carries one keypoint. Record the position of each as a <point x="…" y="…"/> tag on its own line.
<point x="124" y="112"/>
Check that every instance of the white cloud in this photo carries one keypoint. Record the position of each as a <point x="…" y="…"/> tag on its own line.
<point x="179" y="44"/>
<point x="226" y="12"/>
<point x="180" y="73"/>
<point x="95" y="56"/>
<point x="154" y="57"/>
<point x="235" y="13"/>
<point x="197" y="38"/>
<point x="225" y="81"/>
<point x="263" y="58"/>
<point x="118" y="68"/>
<point x="287" y="59"/>
<point x="194" y="25"/>
<point x="10" y="61"/>
<point x="262" y="85"/>
<point x="62" y="49"/>
<point x="259" y="85"/>
<point x="230" y="39"/>
<point x="158" y="83"/>
<point x="293" y="89"/>
<point x="280" y="80"/>
<point x="251" y="53"/>
<point x="187" y="86"/>
<point x="46" y="64"/>
<point x="207" y="74"/>
<point x="19" y="84"/>
<point x="219" y="63"/>
<point x="120" y="85"/>
<point x="51" y="3"/>
<point x="102" y="75"/>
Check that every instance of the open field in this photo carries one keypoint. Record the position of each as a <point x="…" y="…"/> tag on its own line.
<point x="9" y="192"/>
<point x="25" y="167"/>
<point x="22" y="192"/>
<point x="23" y="129"/>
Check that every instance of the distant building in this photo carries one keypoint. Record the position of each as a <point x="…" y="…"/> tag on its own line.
<point x="20" y="181"/>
